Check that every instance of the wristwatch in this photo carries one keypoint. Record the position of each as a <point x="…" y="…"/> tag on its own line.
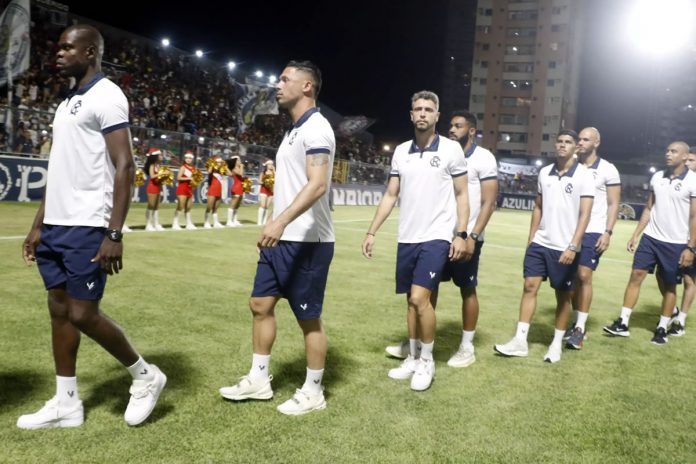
<point x="474" y="236"/>
<point x="692" y="249"/>
<point x="114" y="235"/>
<point x="462" y="235"/>
<point x="574" y="248"/>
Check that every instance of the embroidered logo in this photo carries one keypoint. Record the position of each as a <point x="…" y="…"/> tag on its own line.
<point x="433" y="274"/>
<point x="76" y="107"/>
<point x="435" y="161"/>
<point x="90" y="285"/>
<point x="677" y="186"/>
<point x="303" y="306"/>
<point x="293" y="136"/>
<point x="569" y="188"/>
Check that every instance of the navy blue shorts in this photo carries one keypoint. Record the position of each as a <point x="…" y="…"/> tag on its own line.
<point x="651" y="252"/>
<point x="464" y="274"/>
<point x="540" y="261"/>
<point x="420" y="264"/>
<point x="297" y="271"/>
<point x="589" y="256"/>
<point x="64" y="257"/>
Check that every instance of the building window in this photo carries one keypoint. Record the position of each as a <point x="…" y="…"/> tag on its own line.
<point x="484" y="64"/>
<point x="550" y="82"/>
<point x="529" y="32"/>
<point x="485" y="12"/>
<point x="479" y="116"/>
<point x="518" y="67"/>
<point x="512" y="102"/>
<point x="545" y="137"/>
<point x="523" y="15"/>
<point x="552" y="65"/>
<point x="518" y="84"/>
<point x="483" y="81"/>
<point x="514" y="119"/>
<point x="485" y="46"/>
<point x="483" y="29"/>
<point x="512" y="137"/>
<point x="519" y="49"/>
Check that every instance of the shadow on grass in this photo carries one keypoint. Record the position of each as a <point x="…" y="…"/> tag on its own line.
<point x="646" y="319"/>
<point x="17" y="385"/>
<point x="113" y="390"/>
<point x="293" y="373"/>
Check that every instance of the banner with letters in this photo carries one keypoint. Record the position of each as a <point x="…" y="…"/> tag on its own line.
<point x="356" y="195"/>
<point x="253" y="100"/>
<point x="14" y="40"/>
<point x="525" y="202"/>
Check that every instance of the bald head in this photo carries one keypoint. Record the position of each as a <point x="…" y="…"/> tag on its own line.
<point x="89" y="36"/>
<point x="588" y="142"/>
<point x="681" y="146"/>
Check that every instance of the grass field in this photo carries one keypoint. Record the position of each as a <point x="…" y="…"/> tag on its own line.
<point x="182" y="299"/>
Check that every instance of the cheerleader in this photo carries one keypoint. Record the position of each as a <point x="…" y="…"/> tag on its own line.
<point x="214" y="193"/>
<point x="236" y="171"/>
<point x="154" y="189"/>
<point x="184" y="192"/>
<point x="266" y="180"/>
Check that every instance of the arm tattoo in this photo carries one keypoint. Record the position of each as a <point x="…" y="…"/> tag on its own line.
<point x="319" y="159"/>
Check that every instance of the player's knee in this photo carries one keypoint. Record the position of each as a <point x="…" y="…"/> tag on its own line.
<point x="530" y="286"/>
<point x="81" y="317"/>
<point x="57" y="305"/>
<point x="418" y="301"/>
<point x="258" y="307"/>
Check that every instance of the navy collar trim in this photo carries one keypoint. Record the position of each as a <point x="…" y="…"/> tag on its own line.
<point x="568" y="173"/>
<point x="668" y="175"/>
<point x="471" y="150"/>
<point x="434" y="145"/>
<point x="83" y="90"/>
<point x="303" y="119"/>
<point x="595" y="165"/>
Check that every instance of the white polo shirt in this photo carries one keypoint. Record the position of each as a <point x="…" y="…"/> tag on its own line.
<point x="669" y="216"/>
<point x="80" y="181"/>
<point x="310" y="135"/>
<point x="560" y="204"/>
<point x="482" y="166"/>
<point x="605" y="175"/>
<point x="428" y="209"/>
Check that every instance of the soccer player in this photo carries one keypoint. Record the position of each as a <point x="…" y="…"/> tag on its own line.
<point x="559" y="219"/>
<point x="605" y="210"/>
<point x="483" y="191"/>
<point x="669" y="241"/>
<point x="296" y="245"/>
<point x="76" y="234"/>
<point x="429" y="177"/>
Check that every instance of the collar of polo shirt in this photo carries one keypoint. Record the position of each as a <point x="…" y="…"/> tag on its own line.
<point x="434" y="145"/>
<point x="568" y="173"/>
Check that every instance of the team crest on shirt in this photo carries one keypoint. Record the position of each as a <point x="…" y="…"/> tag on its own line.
<point x="76" y="107"/>
<point x="293" y="136"/>
<point x="569" y="188"/>
<point x="677" y="186"/>
<point x="435" y="161"/>
<point x="594" y="174"/>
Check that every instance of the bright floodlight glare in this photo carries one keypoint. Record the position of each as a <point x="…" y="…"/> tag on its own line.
<point x="538" y="162"/>
<point x="386" y="147"/>
<point x="652" y="169"/>
<point x="272" y="79"/>
<point x="201" y="139"/>
<point x="165" y="42"/>
<point x="258" y="74"/>
<point x="199" y="53"/>
<point x="660" y="28"/>
<point x="136" y="139"/>
<point x="231" y="65"/>
<point x="163" y="136"/>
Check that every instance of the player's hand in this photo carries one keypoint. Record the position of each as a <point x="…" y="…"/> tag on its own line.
<point x="632" y="243"/>
<point x="567" y="257"/>
<point x="270" y="234"/>
<point x="470" y="246"/>
<point x="29" y="246"/>
<point x="602" y="243"/>
<point x="110" y="256"/>
<point x="367" y="245"/>
<point x="458" y="251"/>
<point x="686" y="259"/>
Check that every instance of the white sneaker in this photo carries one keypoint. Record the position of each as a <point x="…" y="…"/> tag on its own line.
<point x="191" y="226"/>
<point x="207" y="226"/>
<point x="237" y="223"/>
<point x="302" y="403"/>
<point x="406" y="370"/>
<point x="553" y="355"/>
<point x="514" y="347"/>
<point x="217" y="225"/>
<point x="423" y="377"/>
<point x="229" y="224"/>
<point x="125" y="229"/>
<point x="463" y="357"/>
<point x="144" y="396"/>
<point x="159" y="228"/>
<point x="176" y="226"/>
<point x="400" y="351"/>
<point x="53" y="414"/>
<point x="249" y="389"/>
<point x="150" y="228"/>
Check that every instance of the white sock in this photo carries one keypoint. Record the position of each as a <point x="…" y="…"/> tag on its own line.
<point x="66" y="390"/>
<point x="414" y="347"/>
<point x="141" y="370"/>
<point x="522" y="330"/>
<point x="664" y="320"/>
<point x="148" y="214"/>
<point x="259" y="366"/>
<point x="313" y="381"/>
<point x="625" y="315"/>
<point x="206" y="217"/>
<point x="558" y="338"/>
<point x="682" y="318"/>
<point x="468" y="337"/>
<point x="230" y="215"/>
<point x="215" y="218"/>
<point x="260" y="215"/>
<point x="188" y="219"/>
<point x="234" y="215"/>
<point x="155" y="217"/>
<point x="427" y="350"/>
<point x="581" y="320"/>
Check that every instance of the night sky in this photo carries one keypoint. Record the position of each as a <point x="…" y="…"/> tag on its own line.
<point x="375" y="54"/>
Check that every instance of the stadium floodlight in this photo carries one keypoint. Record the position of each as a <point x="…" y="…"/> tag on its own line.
<point x="163" y="136"/>
<point x="660" y="28"/>
<point x="199" y="53"/>
<point x="272" y="79"/>
<point x="231" y="65"/>
<point x="386" y="147"/>
<point x="538" y="163"/>
<point x="136" y="139"/>
<point x="652" y="169"/>
<point x="201" y="139"/>
<point x="258" y="74"/>
<point x="165" y="42"/>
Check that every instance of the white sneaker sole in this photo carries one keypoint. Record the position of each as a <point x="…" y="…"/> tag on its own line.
<point x="318" y="407"/>
<point x="142" y="419"/>
<point x="459" y="364"/>
<point x="62" y="423"/>
<point x="395" y="352"/>
<point x="248" y="396"/>
<point x="511" y="354"/>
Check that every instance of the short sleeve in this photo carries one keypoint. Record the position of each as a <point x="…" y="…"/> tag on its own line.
<point x="457" y="165"/>
<point x="319" y="140"/>
<point x="394" y="172"/>
<point x="111" y="110"/>
<point x="654" y="179"/>
<point x="489" y="167"/>
<point x="613" y="177"/>
<point x="587" y="188"/>
<point x="539" y="182"/>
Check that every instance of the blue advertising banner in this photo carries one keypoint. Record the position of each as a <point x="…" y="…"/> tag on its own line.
<point x="521" y="201"/>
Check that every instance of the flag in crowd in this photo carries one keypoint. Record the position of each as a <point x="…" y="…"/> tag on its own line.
<point x="353" y="125"/>
<point x="14" y="40"/>
<point x="253" y="100"/>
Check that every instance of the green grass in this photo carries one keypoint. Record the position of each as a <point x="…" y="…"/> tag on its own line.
<point x="182" y="299"/>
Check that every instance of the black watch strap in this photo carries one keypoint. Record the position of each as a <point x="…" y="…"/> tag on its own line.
<point x="463" y="235"/>
<point x="114" y="235"/>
